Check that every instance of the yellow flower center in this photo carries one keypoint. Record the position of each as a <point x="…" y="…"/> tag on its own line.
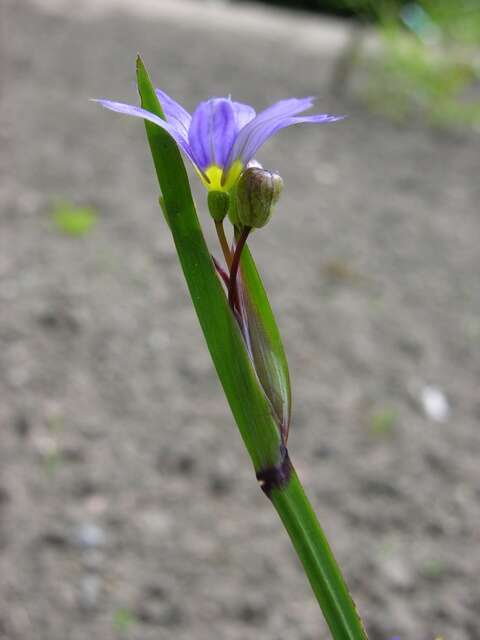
<point x="215" y="175"/>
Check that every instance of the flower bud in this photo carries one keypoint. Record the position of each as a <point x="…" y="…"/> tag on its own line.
<point x="218" y="203"/>
<point x="257" y="192"/>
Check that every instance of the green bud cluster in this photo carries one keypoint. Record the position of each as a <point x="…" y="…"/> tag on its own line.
<point x="256" y="193"/>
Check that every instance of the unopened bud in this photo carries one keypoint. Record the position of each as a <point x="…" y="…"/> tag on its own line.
<point x="257" y="193"/>
<point x="218" y="203"/>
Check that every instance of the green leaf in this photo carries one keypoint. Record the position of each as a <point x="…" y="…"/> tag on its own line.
<point x="247" y="400"/>
<point x="265" y="342"/>
<point x="72" y="220"/>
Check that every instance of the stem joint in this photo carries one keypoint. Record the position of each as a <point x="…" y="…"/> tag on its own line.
<point x="275" y="476"/>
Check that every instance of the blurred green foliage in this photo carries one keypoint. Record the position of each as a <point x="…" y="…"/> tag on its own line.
<point x="458" y="20"/>
<point x="434" y="569"/>
<point x="429" y="63"/>
<point x="383" y="421"/>
<point x="123" y="619"/>
<point x="429" y="60"/>
<point x="72" y="220"/>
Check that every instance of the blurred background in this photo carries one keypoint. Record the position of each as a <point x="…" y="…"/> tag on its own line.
<point x="128" y="507"/>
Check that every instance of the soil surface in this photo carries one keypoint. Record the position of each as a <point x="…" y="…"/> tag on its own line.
<point x="128" y="506"/>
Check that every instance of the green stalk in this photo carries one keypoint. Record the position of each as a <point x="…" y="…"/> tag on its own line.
<point x="253" y="412"/>
<point x="312" y="548"/>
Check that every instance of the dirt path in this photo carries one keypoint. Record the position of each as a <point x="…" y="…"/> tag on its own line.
<point x="119" y="516"/>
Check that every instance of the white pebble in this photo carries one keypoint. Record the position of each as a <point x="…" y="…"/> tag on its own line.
<point x="435" y="404"/>
<point x="90" y="536"/>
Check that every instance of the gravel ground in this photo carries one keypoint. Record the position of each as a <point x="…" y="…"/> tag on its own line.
<point x="120" y="516"/>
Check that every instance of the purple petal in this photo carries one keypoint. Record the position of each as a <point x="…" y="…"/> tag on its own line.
<point x="212" y="132"/>
<point x="175" y="113"/>
<point x="268" y="122"/>
<point x="261" y="135"/>
<point x="243" y="114"/>
<point x="132" y="110"/>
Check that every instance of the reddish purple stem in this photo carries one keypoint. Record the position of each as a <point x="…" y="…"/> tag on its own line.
<point x="221" y="272"/>
<point x="232" y="288"/>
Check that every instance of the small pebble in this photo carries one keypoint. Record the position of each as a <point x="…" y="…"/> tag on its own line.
<point x="90" y="536"/>
<point x="435" y="404"/>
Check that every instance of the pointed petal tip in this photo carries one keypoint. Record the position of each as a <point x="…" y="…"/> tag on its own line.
<point x="100" y="101"/>
<point x="108" y="104"/>
<point x="320" y="118"/>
